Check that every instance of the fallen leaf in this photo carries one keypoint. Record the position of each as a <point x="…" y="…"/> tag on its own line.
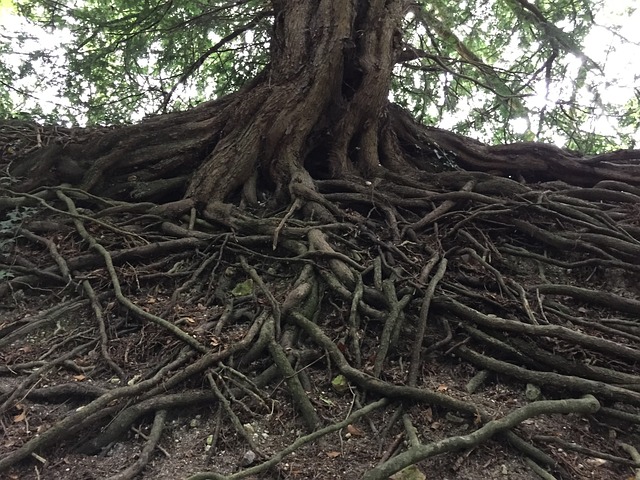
<point x="20" y="417"/>
<point x="333" y="454"/>
<point x="477" y="418"/>
<point x="340" y="384"/>
<point x="412" y="472"/>
<point x="243" y="289"/>
<point x="428" y="413"/>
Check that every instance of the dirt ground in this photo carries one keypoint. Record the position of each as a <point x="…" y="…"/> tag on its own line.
<point x="54" y="353"/>
<point x="188" y="446"/>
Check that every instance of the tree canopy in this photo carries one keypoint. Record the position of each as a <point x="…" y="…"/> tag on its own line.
<point x="240" y="241"/>
<point x="479" y="65"/>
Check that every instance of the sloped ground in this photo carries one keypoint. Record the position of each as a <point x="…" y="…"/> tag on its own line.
<point x="133" y="342"/>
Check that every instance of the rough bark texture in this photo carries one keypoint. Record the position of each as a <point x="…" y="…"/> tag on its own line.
<point x="320" y="110"/>
<point x="330" y="240"/>
<point x="321" y="106"/>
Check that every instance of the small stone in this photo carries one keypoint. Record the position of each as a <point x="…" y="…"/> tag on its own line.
<point x="248" y="458"/>
<point x="412" y="472"/>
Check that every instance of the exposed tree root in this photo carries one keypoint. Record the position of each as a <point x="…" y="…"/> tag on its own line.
<point x="387" y="282"/>
<point x="152" y="442"/>
<point x="419" y="452"/>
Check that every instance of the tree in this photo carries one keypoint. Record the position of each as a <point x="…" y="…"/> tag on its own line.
<point x="386" y="227"/>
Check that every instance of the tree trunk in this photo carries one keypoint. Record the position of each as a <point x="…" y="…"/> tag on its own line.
<point x="320" y="107"/>
<point x="320" y="110"/>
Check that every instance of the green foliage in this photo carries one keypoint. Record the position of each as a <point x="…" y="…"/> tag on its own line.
<point x="485" y="63"/>
<point x="477" y="66"/>
<point x="124" y="58"/>
<point x="6" y="103"/>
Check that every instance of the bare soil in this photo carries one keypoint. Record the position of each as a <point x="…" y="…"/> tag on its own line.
<point x="186" y="447"/>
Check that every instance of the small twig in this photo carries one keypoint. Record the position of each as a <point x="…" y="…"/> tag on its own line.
<point x="397" y="414"/>
<point x="297" y="203"/>
<point x="588" y="451"/>
<point x="278" y="457"/>
<point x="104" y="339"/>
<point x="235" y="421"/>
<point x="393" y="448"/>
<point x="143" y="459"/>
<point x="144" y="436"/>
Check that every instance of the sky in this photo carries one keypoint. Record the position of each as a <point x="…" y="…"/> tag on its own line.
<point x="619" y="78"/>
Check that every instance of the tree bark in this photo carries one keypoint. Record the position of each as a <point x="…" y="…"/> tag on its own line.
<point x="320" y="107"/>
<point x="320" y="110"/>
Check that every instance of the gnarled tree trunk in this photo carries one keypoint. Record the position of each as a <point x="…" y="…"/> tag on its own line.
<point x="319" y="110"/>
<point x="321" y="106"/>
